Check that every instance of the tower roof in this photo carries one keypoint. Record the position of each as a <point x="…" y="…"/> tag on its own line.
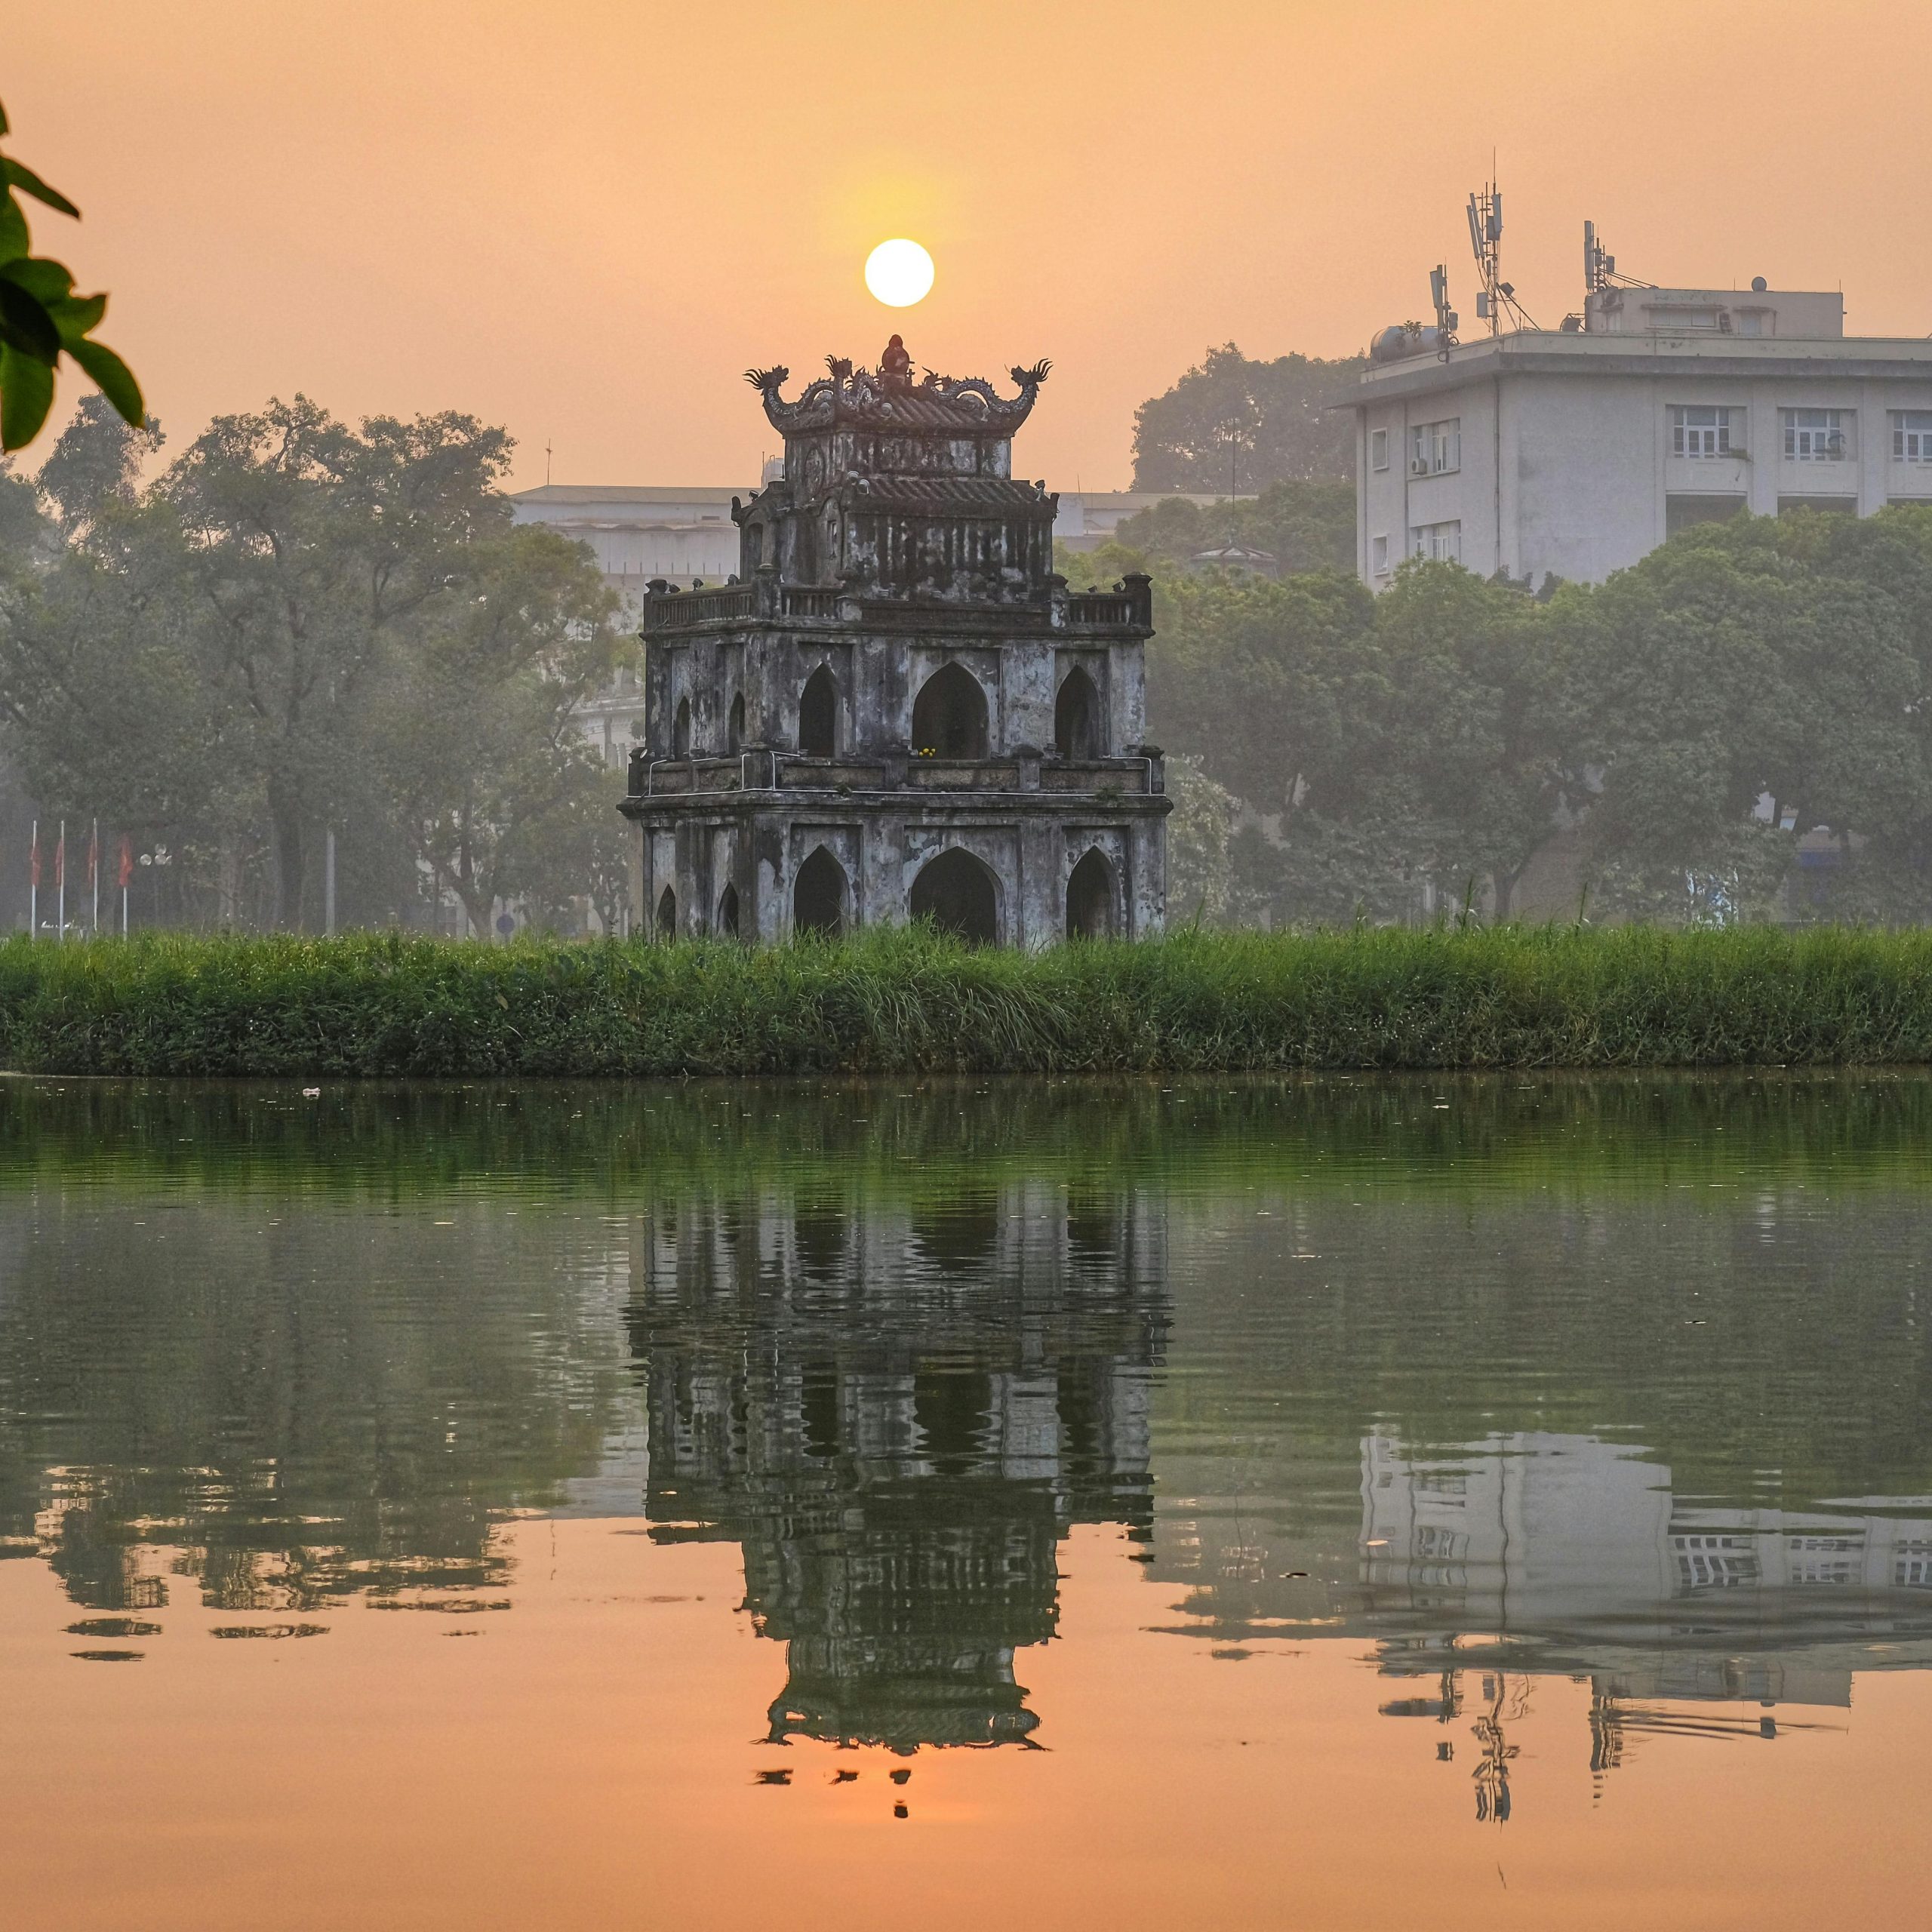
<point x="887" y="397"/>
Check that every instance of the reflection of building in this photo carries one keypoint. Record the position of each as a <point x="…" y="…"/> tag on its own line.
<point x="899" y="710"/>
<point x="900" y="1415"/>
<point x="1575" y="1555"/>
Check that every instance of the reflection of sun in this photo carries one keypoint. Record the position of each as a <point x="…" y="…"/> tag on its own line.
<point x="899" y="273"/>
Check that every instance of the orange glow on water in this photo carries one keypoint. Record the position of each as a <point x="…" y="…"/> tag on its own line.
<point x="590" y="1757"/>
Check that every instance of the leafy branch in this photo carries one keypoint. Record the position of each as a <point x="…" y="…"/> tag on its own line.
<point x="41" y="318"/>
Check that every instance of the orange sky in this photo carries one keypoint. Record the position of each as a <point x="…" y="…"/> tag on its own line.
<point x="584" y="218"/>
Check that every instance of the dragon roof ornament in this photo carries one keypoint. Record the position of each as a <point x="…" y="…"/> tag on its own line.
<point x="888" y="397"/>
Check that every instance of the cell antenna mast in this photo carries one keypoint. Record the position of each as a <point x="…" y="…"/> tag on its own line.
<point x="1599" y="275"/>
<point x="1496" y="298"/>
<point x="1446" y="317"/>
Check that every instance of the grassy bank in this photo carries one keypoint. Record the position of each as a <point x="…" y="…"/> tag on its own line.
<point x="900" y="1001"/>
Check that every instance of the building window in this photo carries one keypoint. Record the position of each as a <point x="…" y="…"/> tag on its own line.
<point x="1378" y="555"/>
<point x="1817" y="435"/>
<point x="1911" y="435"/>
<point x="1700" y="430"/>
<point x="1435" y="447"/>
<point x="1440" y="543"/>
<point x="1378" y="449"/>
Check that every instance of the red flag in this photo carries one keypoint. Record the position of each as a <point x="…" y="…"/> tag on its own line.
<point x="61" y="858"/>
<point x="33" y="855"/>
<point x="94" y="852"/>
<point x="127" y="863"/>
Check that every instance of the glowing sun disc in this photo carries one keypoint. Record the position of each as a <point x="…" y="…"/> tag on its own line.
<point x="899" y="273"/>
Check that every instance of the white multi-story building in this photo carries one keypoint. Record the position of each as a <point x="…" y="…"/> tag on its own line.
<point x="1572" y="453"/>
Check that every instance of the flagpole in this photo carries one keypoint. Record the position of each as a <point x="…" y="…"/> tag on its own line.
<point x="93" y="874"/>
<point x="60" y="881"/>
<point x="33" y="883"/>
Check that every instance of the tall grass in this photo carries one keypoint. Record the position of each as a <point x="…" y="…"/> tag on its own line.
<point x="904" y="1001"/>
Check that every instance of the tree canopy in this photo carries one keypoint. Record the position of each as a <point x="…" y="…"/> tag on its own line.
<point x="1737" y="725"/>
<point x="1231" y="424"/>
<point x="297" y="626"/>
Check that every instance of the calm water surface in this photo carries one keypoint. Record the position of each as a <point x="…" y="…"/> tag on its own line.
<point x="1330" y="1504"/>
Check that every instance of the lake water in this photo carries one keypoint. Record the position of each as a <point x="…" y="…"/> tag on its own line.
<point x="1327" y="1503"/>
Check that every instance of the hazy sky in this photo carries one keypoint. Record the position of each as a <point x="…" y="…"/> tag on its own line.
<point x="584" y="219"/>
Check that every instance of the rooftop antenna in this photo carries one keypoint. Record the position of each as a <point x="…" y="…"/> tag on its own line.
<point x="546" y="463"/>
<point x="1446" y="317"/>
<point x="1496" y="298"/>
<point x="1599" y="275"/>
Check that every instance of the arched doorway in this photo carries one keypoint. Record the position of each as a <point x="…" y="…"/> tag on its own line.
<point x="1077" y="716"/>
<point x="818" y="896"/>
<point x="680" y="730"/>
<point x="667" y="914"/>
<point x="1090" y="898"/>
<point x="734" y="728"/>
<point x="818" y="716"/>
<point x="957" y="892"/>
<point x="949" y="715"/>
<point x="728" y="912"/>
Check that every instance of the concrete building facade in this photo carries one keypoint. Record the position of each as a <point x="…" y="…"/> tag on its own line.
<point x="899" y="710"/>
<point x="1573" y="453"/>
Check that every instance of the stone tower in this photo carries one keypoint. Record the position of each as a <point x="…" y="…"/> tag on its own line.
<point x="898" y="709"/>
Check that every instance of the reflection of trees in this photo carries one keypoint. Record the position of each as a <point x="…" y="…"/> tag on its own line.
<point x="342" y="1404"/>
<point x="899" y="1413"/>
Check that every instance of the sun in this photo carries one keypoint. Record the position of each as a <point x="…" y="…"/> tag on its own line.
<point x="899" y="273"/>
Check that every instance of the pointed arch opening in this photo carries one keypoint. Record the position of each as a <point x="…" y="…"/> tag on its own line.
<point x="818" y="896"/>
<point x="680" y="730"/>
<point x="949" y="715"/>
<point x="1090" y="898"/>
<point x="1077" y="716"/>
<point x="667" y="914"/>
<point x="818" y="714"/>
<point x="958" y="893"/>
<point x="734" y="726"/>
<point x="728" y="912"/>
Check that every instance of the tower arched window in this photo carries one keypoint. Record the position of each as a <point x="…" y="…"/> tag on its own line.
<point x="949" y="715"/>
<point x="734" y="728"/>
<point x="957" y="892"/>
<point x="818" y="896"/>
<point x="1090" y="898"/>
<point x="818" y="716"/>
<point x="680" y="730"/>
<point x="1077" y="716"/>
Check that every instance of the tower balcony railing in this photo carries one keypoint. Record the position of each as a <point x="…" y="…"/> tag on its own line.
<point x="1129" y="605"/>
<point x="761" y="769"/>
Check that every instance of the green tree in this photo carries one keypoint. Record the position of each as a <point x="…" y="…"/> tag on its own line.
<point x="1260" y="422"/>
<point x="499" y="794"/>
<point x="313" y="546"/>
<point x="1739" y="662"/>
<point x="1303" y="524"/>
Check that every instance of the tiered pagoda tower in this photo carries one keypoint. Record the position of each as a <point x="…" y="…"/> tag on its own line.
<point x="898" y="709"/>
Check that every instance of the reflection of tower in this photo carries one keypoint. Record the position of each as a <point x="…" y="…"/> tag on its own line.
<point x="899" y="1412"/>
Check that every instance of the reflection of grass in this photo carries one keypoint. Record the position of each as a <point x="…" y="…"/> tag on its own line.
<point x="898" y="1001"/>
<point x="850" y="1143"/>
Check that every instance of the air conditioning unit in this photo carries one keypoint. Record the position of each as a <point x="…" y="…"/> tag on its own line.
<point x="1419" y="465"/>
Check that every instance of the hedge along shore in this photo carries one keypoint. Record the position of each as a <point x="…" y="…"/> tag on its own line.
<point x="898" y="1001"/>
